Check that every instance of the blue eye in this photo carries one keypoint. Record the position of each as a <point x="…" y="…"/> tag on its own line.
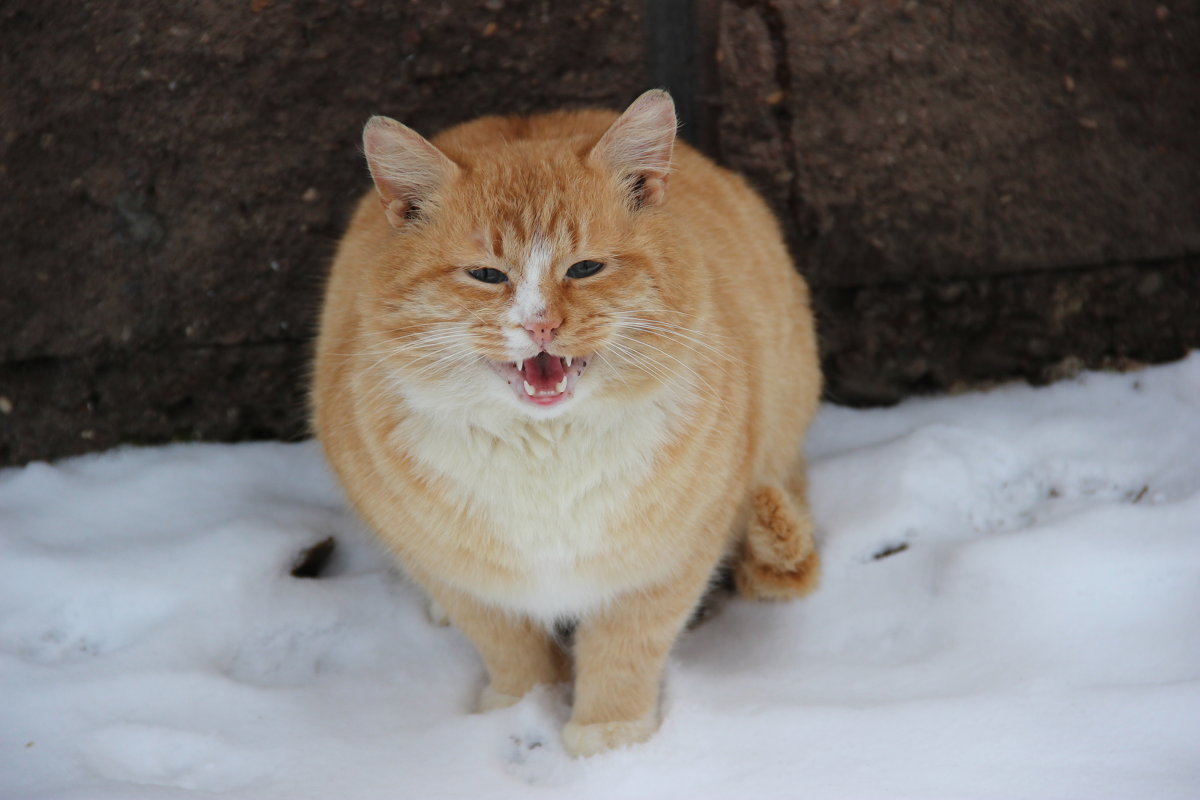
<point x="584" y="269"/>
<point x="488" y="275"/>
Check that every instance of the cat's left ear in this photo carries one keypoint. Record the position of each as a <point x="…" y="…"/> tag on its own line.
<point x="638" y="147"/>
<point x="408" y="170"/>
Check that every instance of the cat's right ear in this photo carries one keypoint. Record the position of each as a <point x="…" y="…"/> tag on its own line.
<point x="638" y="147"/>
<point x="407" y="169"/>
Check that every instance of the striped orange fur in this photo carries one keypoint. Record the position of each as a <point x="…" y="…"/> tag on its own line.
<point x="564" y="370"/>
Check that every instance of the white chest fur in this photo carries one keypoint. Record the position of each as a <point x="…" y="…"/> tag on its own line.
<point x="549" y="491"/>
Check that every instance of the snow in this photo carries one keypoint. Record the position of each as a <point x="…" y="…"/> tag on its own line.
<point x="1010" y="608"/>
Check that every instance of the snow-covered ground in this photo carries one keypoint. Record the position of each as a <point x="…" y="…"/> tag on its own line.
<point x="1010" y="609"/>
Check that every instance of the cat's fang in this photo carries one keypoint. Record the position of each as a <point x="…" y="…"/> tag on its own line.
<point x="529" y="389"/>
<point x="561" y="385"/>
<point x="567" y="360"/>
<point x="520" y="364"/>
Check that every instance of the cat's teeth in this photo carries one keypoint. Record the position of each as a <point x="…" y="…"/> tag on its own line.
<point x="520" y="364"/>
<point x="561" y="385"/>
<point x="568" y="359"/>
<point x="529" y="389"/>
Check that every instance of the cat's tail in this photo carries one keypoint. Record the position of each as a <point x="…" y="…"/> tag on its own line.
<point x="778" y="559"/>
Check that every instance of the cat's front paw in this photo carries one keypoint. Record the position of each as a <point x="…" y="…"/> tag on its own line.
<point x="492" y="700"/>
<point x="597" y="737"/>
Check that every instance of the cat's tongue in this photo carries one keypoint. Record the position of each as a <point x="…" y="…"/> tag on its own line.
<point x="544" y="372"/>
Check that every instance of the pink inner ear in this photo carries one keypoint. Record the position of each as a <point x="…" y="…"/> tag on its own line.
<point x="641" y="140"/>
<point x="654" y="190"/>
<point x="397" y="211"/>
<point x="407" y="169"/>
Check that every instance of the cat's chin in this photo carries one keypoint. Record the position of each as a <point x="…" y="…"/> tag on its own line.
<point x="545" y="381"/>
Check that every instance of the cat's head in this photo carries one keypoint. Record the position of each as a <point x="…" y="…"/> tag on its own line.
<point x="525" y="264"/>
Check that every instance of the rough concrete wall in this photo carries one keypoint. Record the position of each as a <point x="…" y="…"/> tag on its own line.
<point x="977" y="189"/>
<point x="911" y="140"/>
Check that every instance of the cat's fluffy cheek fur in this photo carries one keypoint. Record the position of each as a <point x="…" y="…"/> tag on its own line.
<point x="475" y="394"/>
<point x="478" y="395"/>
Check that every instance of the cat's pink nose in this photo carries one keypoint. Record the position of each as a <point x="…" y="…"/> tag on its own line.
<point x="542" y="330"/>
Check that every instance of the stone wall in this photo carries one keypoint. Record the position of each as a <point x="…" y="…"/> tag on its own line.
<point x="976" y="190"/>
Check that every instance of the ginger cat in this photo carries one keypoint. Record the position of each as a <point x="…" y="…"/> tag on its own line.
<point x="564" y="373"/>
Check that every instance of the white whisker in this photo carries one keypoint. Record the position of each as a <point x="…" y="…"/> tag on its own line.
<point x="644" y="362"/>
<point x="681" y="338"/>
<point x="715" y="394"/>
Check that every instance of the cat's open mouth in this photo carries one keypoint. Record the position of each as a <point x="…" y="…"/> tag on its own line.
<point x="543" y="380"/>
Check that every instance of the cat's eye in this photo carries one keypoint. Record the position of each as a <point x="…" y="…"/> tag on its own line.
<point x="584" y="269"/>
<point x="488" y="275"/>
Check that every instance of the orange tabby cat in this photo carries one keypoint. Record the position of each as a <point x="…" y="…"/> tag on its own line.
<point x="564" y="373"/>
